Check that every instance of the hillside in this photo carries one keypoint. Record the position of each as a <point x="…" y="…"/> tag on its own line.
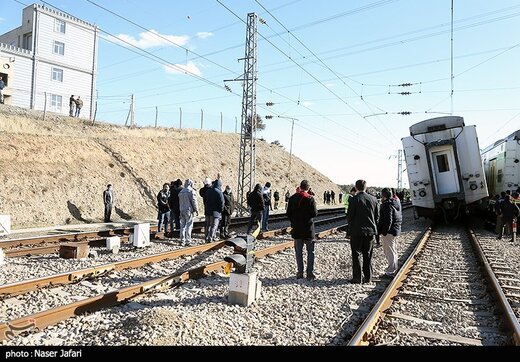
<point x="53" y="172"/>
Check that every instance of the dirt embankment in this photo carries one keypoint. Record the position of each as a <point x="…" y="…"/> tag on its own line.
<point x="54" y="171"/>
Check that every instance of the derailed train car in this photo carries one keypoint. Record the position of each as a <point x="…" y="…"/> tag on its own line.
<point x="444" y="168"/>
<point x="502" y="164"/>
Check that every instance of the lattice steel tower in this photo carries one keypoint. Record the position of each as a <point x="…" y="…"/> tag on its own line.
<point x="247" y="160"/>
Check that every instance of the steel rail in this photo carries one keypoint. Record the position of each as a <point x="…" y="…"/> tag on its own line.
<point x="50" y="241"/>
<point x="363" y="334"/>
<point x="509" y="315"/>
<point x="52" y="316"/>
<point x="45" y="318"/>
<point x="74" y="276"/>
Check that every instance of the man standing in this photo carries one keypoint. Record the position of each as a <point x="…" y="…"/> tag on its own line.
<point x="213" y="207"/>
<point x="79" y="104"/>
<point x="287" y="197"/>
<point x="362" y="218"/>
<point x="301" y="212"/>
<point x="266" y="194"/>
<point x="2" y="86"/>
<point x="229" y="208"/>
<point x="255" y="202"/>
<point x="276" y="196"/>
<point x="108" y="200"/>
<point x="163" y="215"/>
<point x="187" y="206"/>
<point x="389" y="228"/>
<point x="72" y="104"/>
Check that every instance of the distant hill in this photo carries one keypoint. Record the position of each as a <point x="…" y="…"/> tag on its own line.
<point x="54" y="172"/>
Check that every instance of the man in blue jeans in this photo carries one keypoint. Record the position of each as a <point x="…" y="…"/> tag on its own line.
<point x="266" y="195"/>
<point x="301" y="211"/>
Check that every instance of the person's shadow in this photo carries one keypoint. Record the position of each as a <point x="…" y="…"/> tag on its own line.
<point x="123" y="215"/>
<point x="75" y="212"/>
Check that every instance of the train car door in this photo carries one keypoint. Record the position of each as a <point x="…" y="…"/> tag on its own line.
<point x="445" y="171"/>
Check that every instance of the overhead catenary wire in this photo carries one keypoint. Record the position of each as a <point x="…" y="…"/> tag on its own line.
<point x="314" y="77"/>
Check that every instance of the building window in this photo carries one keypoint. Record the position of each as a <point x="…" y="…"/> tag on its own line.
<point x="59" y="26"/>
<point x="55" y="102"/>
<point x="27" y="41"/>
<point x="57" y="74"/>
<point x="59" y="48"/>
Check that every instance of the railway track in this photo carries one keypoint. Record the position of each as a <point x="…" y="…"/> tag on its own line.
<point x="119" y="295"/>
<point x="452" y="290"/>
<point x="48" y="244"/>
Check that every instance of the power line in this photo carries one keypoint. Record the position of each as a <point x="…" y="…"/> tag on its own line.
<point x="312" y="76"/>
<point x="319" y="60"/>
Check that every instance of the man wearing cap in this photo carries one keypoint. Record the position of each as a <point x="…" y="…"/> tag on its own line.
<point x="301" y="211"/>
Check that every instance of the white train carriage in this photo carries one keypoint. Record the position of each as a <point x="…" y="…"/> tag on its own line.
<point x="502" y="164"/>
<point x="444" y="167"/>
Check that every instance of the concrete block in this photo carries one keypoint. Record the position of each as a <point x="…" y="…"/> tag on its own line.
<point x="113" y="243"/>
<point x="141" y="235"/>
<point x="5" y="225"/>
<point x="2" y="257"/>
<point x="242" y="288"/>
<point x="74" y="250"/>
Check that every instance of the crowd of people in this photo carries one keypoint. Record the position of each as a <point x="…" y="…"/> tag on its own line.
<point x="506" y="210"/>
<point x="368" y="219"/>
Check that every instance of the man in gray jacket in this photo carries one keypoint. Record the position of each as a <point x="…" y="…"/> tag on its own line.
<point x="187" y="206"/>
<point x="362" y="218"/>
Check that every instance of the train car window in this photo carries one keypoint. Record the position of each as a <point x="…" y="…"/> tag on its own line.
<point x="442" y="163"/>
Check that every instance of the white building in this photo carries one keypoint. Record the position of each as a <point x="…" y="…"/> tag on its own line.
<point x="50" y="57"/>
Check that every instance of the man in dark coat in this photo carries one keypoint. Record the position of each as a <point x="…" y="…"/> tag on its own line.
<point x="389" y="228"/>
<point x="229" y="209"/>
<point x="301" y="212"/>
<point x="173" y="201"/>
<point x="164" y="208"/>
<point x="362" y="218"/>
<point x="213" y="207"/>
<point x="108" y="200"/>
<point x="256" y="202"/>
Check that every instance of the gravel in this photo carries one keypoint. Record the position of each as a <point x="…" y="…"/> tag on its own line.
<point x="447" y="294"/>
<point x="326" y="311"/>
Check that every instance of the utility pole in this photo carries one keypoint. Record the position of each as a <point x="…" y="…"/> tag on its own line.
<point x="247" y="159"/>
<point x="131" y="113"/>
<point x="180" y="118"/>
<point x="201" y="118"/>
<point x="292" y="133"/>
<point x="399" y="169"/>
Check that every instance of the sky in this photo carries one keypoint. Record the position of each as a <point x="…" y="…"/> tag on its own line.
<point x="335" y="68"/>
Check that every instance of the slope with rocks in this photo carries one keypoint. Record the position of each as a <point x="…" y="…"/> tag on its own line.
<point x="54" y="171"/>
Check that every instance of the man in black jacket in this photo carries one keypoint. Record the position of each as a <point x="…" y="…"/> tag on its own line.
<point x="229" y="208"/>
<point x="301" y="211"/>
<point x="362" y="218"/>
<point x="256" y="202"/>
<point x="389" y="228"/>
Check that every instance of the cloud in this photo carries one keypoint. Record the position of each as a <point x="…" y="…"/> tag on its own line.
<point x="152" y="39"/>
<point x="204" y="34"/>
<point x="183" y="68"/>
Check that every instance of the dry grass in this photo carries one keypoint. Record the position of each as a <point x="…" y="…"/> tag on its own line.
<point x="54" y="171"/>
